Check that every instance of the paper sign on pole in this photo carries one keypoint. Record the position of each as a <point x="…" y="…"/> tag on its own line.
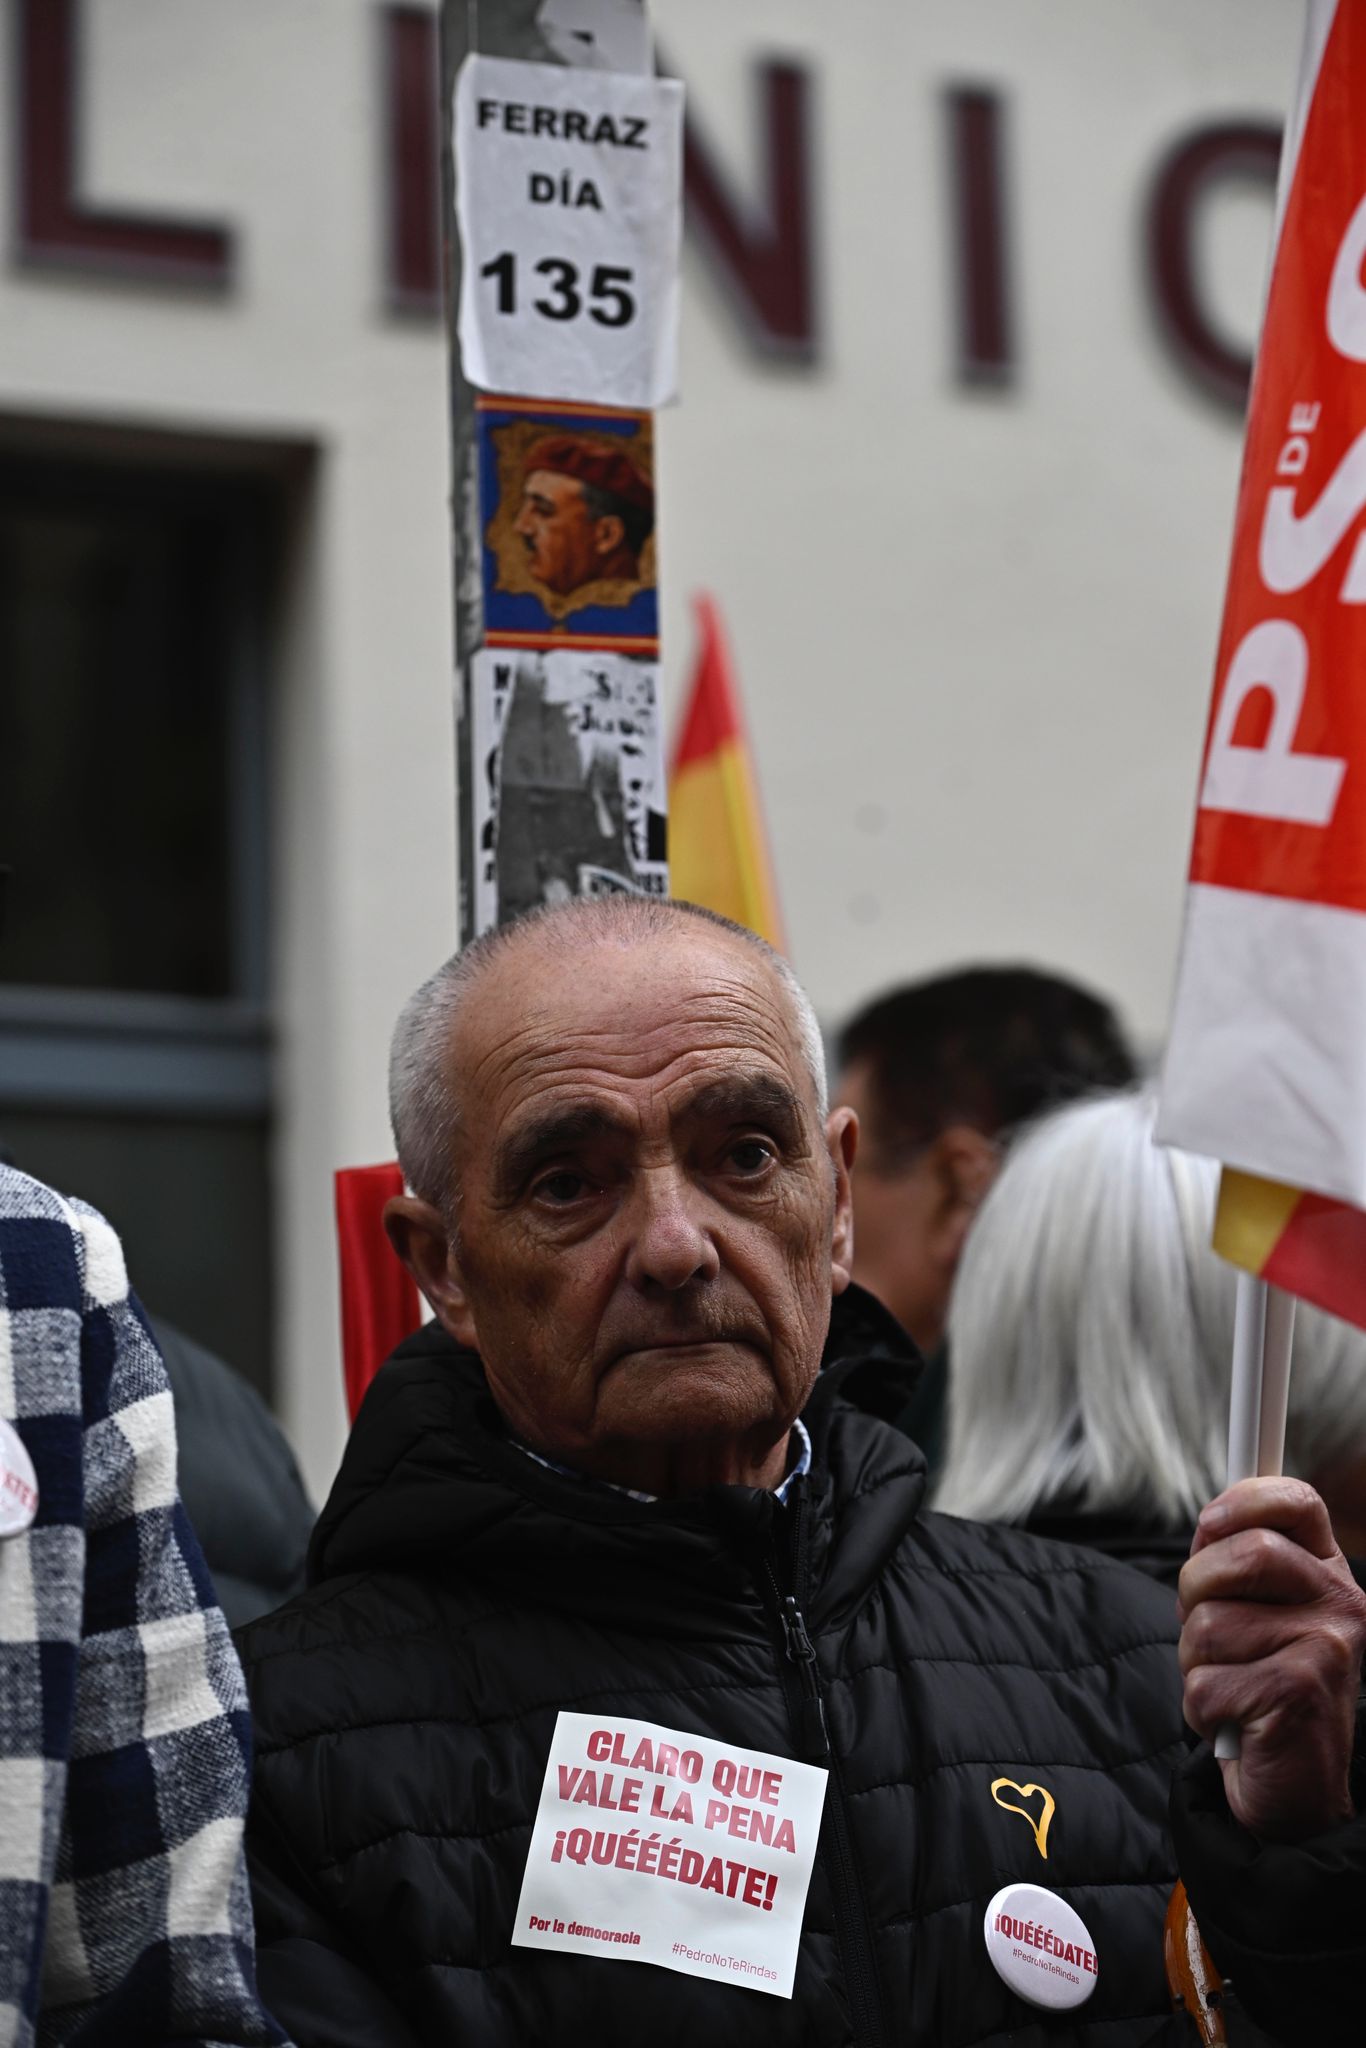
<point x="569" y="789"/>
<point x="658" y="1846"/>
<point x="568" y="194"/>
<point x="1266" y="1066"/>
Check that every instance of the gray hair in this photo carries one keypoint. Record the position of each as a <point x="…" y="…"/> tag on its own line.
<point x="1091" y="1331"/>
<point x="423" y="1107"/>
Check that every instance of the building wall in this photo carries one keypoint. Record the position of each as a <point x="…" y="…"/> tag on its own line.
<point x="974" y="627"/>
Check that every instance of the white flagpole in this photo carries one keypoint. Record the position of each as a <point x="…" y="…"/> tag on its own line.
<point x="1263" y="1328"/>
<point x="1245" y="1393"/>
<point x="1280" y="1332"/>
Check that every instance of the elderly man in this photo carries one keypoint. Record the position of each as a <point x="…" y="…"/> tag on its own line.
<point x="615" y="1481"/>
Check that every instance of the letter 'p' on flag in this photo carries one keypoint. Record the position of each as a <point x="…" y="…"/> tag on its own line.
<point x="1266" y="1062"/>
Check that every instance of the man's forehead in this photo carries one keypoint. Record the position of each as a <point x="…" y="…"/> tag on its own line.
<point x="550" y="483"/>
<point x="661" y="1011"/>
<point x="562" y="1120"/>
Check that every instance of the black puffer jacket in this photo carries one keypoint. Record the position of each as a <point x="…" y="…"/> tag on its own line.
<point x="463" y="1595"/>
<point x="238" y="1479"/>
<point x="1149" y="1546"/>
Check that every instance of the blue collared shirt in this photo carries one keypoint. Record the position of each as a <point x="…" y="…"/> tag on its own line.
<point x="802" y="1466"/>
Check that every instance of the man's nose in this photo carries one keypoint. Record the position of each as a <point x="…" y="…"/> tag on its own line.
<point x="670" y="1244"/>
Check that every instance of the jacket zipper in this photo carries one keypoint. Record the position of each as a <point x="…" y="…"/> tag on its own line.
<point x="807" y="1712"/>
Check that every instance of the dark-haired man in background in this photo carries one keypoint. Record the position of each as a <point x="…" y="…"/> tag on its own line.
<point x="939" y="1072"/>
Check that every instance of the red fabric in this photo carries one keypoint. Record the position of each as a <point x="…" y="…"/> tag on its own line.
<point x="1294" y="632"/>
<point x="380" y="1306"/>
<point x="1321" y="1256"/>
<point x="604" y="469"/>
<point x="713" y="713"/>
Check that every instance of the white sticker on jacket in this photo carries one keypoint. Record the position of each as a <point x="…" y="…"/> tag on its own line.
<point x="663" y="1847"/>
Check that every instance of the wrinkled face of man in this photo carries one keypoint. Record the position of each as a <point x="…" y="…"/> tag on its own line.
<point x="563" y="541"/>
<point x="652" y="1220"/>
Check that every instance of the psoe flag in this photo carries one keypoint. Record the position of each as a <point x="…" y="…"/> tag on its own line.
<point x="1266" y="1061"/>
<point x="718" y="854"/>
<point x="1304" y="1243"/>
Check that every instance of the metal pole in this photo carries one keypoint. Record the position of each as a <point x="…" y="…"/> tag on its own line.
<point x="573" y="33"/>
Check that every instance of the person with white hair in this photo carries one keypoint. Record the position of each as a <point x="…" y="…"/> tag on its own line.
<point x="1092" y="1331"/>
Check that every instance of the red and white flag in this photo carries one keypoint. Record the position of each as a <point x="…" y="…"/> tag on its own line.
<point x="1266" y="1064"/>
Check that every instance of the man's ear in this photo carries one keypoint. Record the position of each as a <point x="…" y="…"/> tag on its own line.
<point x="964" y="1162"/>
<point x="608" y="534"/>
<point x="417" y="1231"/>
<point x="841" y="1139"/>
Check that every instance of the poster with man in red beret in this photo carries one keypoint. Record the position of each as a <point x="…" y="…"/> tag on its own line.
<point x="568" y="545"/>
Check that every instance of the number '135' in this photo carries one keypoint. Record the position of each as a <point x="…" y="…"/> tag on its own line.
<point x="610" y="302"/>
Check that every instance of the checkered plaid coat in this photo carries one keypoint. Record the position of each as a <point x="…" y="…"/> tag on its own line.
<point x="124" y="1736"/>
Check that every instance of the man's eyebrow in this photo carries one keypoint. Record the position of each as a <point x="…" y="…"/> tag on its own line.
<point x="560" y="1130"/>
<point x="750" y="1098"/>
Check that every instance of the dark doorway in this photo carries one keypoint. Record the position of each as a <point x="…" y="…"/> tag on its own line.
<point x="134" y="999"/>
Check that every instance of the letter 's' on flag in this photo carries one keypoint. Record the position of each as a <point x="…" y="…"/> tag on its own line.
<point x="1266" y="1063"/>
<point x="718" y="854"/>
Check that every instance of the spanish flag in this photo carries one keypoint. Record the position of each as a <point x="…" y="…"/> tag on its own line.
<point x="1305" y="1243"/>
<point x="718" y="853"/>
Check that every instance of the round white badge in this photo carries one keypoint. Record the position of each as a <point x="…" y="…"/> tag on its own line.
<point x="1040" y="1947"/>
<point x="18" y="1483"/>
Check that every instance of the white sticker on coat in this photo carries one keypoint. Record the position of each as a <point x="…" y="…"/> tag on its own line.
<point x="659" y="1846"/>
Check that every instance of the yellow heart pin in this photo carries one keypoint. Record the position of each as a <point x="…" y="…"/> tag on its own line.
<point x="1039" y="1826"/>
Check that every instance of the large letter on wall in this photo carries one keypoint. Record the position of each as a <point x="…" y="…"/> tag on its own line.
<point x="764" y="255"/>
<point x="986" y="346"/>
<point x="54" y="226"/>
<point x="1203" y="159"/>
<point x="412" y="159"/>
